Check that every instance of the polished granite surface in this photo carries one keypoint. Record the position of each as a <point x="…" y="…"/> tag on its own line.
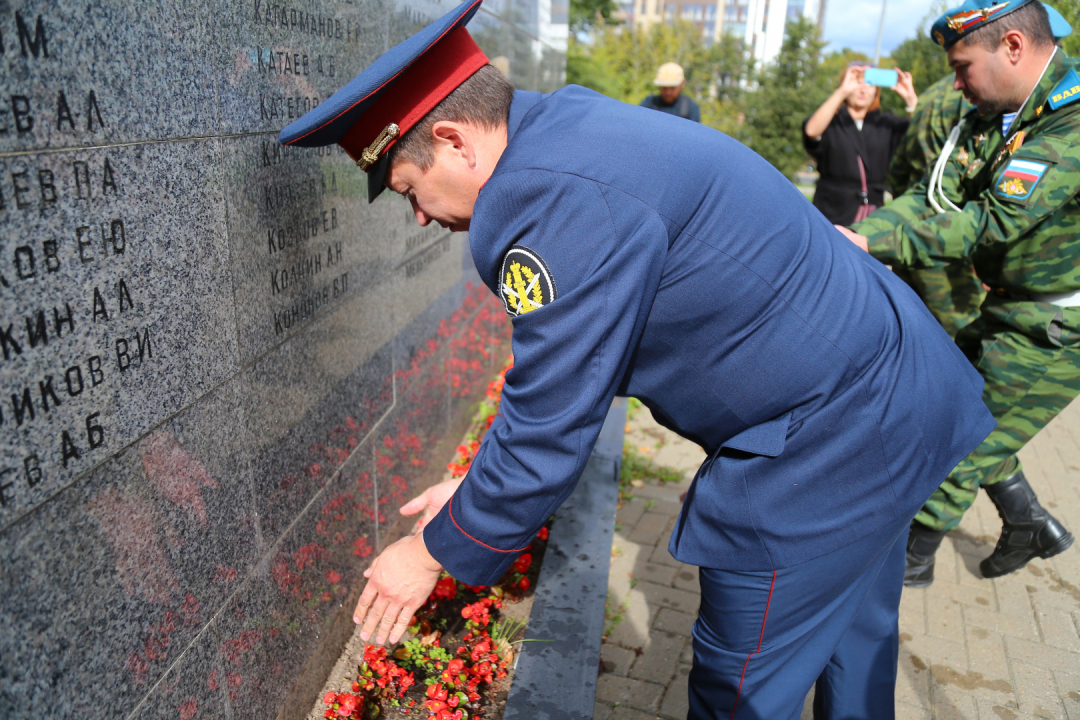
<point x="220" y="367"/>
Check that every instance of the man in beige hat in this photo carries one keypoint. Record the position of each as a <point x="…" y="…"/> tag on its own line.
<point x="670" y="81"/>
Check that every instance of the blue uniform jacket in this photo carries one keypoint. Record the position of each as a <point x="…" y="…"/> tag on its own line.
<point x="694" y="276"/>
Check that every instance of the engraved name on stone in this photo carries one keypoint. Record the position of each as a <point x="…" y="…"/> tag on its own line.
<point x="300" y="54"/>
<point x="29" y="108"/>
<point x="427" y="258"/>
<point x="113" y="271"/>
<point x="294" y="231"/>
<point x="36" y="324"/>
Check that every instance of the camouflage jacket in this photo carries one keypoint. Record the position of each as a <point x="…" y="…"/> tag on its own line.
<point x="1019" y="218"/>
<point x="940" y="109"/>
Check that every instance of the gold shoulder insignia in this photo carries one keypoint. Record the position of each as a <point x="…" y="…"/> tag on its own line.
<point x="525" y="282"/>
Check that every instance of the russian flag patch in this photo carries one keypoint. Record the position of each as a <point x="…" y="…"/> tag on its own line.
<point x="1019" y="178"/>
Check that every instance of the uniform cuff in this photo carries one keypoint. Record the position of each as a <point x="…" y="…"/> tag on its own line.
<point x="881" y="241"/>
<point x="462" y="553"/>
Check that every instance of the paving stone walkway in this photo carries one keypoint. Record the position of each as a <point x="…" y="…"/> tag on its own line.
<point x="971" y="649"/>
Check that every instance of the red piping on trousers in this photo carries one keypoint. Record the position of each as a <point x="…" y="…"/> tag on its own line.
<point x="760" y="639"/>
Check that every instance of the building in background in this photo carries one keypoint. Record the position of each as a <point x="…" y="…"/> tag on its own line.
<point x="759" y="23"/>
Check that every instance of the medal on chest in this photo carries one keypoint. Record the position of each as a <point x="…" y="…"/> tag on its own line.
<point x="1016" y="142"/>
<point x="1012" y="146"/>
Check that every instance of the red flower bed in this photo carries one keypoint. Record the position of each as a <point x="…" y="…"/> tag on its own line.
<point x="462" y="649"/>
<point x="459" y="656"/>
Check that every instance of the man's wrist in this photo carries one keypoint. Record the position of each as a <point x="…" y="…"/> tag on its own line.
<point x="425" y="558"/>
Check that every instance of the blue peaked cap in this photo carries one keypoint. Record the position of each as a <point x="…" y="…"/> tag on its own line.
<point x="384" y="101"/>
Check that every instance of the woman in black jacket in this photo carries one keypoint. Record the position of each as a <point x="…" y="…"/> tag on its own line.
<point x="847" y="128"/>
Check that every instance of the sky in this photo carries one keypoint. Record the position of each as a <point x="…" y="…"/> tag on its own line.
<point x="854" y="23"/>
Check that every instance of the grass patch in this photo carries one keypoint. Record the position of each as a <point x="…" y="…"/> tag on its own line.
<point x="613" y="613"/>
<point x="635" y="466"/>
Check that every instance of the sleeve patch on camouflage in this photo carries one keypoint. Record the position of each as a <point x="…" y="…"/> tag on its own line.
<point x="525" y="282"/>
<point x="1019" y="178"/>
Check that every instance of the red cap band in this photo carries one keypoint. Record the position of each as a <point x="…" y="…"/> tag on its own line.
<point x="417" y="91"/>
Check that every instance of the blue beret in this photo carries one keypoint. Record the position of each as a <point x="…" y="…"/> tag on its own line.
<point x="1059" y="26"/>
<point x="959" y="21"/>
<point x="378" y="106"/>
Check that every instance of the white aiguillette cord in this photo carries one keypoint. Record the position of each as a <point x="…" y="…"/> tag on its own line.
<point x="950" y="145"/>
<point x="939" y="171"/>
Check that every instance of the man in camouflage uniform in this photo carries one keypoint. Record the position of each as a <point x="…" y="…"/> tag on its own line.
<point x="952" y="292"/>
<point x="1007" y="197"/>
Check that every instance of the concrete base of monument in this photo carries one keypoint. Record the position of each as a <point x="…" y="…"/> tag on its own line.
<point x="554" y="673"/>
<point x="556" y="679"/>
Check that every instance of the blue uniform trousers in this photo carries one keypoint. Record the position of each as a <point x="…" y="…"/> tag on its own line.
<point x="762" y="639"/>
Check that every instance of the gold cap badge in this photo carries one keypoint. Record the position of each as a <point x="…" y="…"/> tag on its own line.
<point x="962" y="21"/>
<point x="371" y="153"/>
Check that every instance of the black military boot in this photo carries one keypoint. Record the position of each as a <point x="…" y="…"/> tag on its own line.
<point x="922" y="543"/>
<point x="1028" y="530"/>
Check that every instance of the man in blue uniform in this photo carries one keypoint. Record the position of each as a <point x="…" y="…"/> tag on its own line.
<point x="641" y="255"/>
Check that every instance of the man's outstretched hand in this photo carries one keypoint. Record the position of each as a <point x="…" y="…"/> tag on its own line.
<point x="430" y="501"/>
<point x="403" y="576"/>
<point x="399" y="582"/>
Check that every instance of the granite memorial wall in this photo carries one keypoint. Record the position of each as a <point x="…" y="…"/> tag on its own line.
<point x="221" y="369"/>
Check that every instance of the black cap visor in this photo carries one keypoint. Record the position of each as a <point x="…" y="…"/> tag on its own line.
<point x="376" y="176"/>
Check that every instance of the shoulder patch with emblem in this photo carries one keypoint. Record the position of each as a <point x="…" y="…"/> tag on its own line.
<point x="525" y="282"/>
<point x="1066" y="91"/>
<point x="1019" y="178"/>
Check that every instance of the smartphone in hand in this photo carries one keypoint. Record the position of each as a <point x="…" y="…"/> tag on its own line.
<point x="881" y="77"/>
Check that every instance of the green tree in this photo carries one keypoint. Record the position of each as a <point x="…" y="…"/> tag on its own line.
<point x="835" y="64"/>
<point x="789" y="90"/>
<point x="583" y="69"/>
<point x="621" y="62"/>
<point x="630" y="57"/>
<point x="924" y="59"/>
<point x="586" y="13"/>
